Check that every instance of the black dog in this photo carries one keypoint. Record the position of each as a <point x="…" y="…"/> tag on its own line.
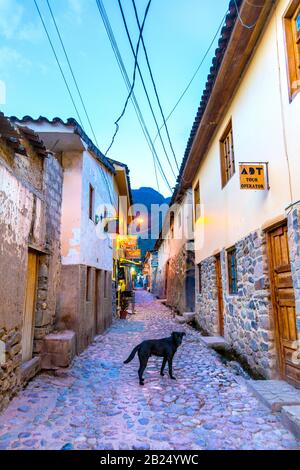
<point x="165" y="348"/>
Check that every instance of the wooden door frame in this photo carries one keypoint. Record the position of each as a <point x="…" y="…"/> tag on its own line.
<point x="220" y="314"/>
<point x="275" y="313"/>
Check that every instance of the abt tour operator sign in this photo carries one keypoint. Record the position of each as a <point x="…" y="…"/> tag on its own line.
<point x="252" y="176"/>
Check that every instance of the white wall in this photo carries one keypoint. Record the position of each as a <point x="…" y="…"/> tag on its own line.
<point x="170" y="247"/>
<point x="71" y="207"/>
<point x="258" y="131"/>
<point x="95" y="251"/>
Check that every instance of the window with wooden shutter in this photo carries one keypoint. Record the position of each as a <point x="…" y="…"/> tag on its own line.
<point x="232" y="270"/>
<point x="292" y="32"/>
<point x="227" y="155"/>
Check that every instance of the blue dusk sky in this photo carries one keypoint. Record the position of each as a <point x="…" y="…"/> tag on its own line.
<point x="177" y="34"/>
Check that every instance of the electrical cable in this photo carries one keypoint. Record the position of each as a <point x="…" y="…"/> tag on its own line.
<point x="72" y="72"/>
<point x="241" y="20"/>
<point x="133" y="79"/>
<point x="58" y="62"/>
<point x="124" y="74"/>
<point x="154" y="84"/>
<point x="195" y="73"/>
<point x="145" y="88"/>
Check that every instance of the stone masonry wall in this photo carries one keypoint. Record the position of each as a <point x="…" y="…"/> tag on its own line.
<point x="49" y="264"/>
<point x="294" y="244"/>
<point x="10" y="361"/>
<point x="207" y="300"/>
<point x="176" y="282"/>
<point x="248" y="317"/>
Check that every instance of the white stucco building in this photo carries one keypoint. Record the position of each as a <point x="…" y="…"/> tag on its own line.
<point x="246" y="240"/>
<point x="92" y="186"/>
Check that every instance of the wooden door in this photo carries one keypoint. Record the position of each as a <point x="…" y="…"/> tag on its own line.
<point x="284" y="304"/>
<point x="220" y="295"/>
<point x="29" y="309"/>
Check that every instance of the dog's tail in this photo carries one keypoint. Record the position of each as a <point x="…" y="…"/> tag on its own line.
<point x="132" y="354"/>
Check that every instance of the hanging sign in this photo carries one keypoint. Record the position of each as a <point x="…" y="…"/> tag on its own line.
<point x="133" y="254"/>
<point x="127" y="241"/>
<point x="252" y="176"/>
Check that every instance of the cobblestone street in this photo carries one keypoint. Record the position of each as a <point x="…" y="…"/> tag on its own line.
<point x="98" y="403"/>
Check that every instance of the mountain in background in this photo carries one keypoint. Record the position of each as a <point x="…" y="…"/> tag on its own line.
<point x="148" y="196"/>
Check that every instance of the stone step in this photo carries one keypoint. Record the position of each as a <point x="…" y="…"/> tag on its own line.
<point x="215" y="342"/>
<point x="291" y="418"/>
<point x="180" y="319"/>
<point x="188" y="316"/>
<point x="275" y="394"/>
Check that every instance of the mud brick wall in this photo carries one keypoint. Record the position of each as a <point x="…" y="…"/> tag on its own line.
<point x="248" y="316"/>
<point x="294" y="244"/>
<point x="207" y="299"/>
<point x="10" y="361"/>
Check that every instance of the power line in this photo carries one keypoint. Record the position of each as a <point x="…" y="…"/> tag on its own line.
<point x="240" y="18"/>
<point x="153" y="83"/>
<point x="124" y="74"/>
<point x="133" y="79"/>
<point x="58" y="62"/>
<point x="66" y="83"/>
<point x="72" y="72"/>
<point x="195" y="73"/>
<point x="145" y="88"/>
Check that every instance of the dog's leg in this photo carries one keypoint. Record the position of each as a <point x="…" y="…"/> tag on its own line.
<point x="141" y="371"/>
<point x="171" y="368"/>
<point x="163" y="366"/>
<point x="143" y="365"/>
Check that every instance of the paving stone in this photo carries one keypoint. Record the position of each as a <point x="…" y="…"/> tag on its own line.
<point x="98" y="403"/>
<point x="275" y="393"/>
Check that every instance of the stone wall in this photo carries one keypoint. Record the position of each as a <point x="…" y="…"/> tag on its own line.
<point x="207" y="300"/>
<point x="30" y="201"/>
<point x="10" y="362"/>
<point x="294" y="245"/>
<point x="176" y="281"/>
<point x="49" y="264"/>
<point x="248" y="317"/>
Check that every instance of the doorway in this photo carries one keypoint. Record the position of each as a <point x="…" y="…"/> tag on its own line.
<point x="167" y="279"/>
<point x="190" y="287"/>
<point x="99" y="320"/>
<point x="283" y="299"/>
<point x="29" y="308"/>
<point x="220" y="295"/>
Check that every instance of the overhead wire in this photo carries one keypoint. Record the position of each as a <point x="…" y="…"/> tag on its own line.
<point x="125" y="76"/>
<point x="72" y="71"/>
<point x="153" y="83"/>
<point x="195" y="73"/>
<point x="58" y="62"/>
<point x="67" y="85"/>
<point x="247" y="26"/>
<point x="133" y="79"/>
<point x="145" y="88"/>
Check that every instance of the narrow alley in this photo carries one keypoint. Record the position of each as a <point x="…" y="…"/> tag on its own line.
<point x="98" y="404"/>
